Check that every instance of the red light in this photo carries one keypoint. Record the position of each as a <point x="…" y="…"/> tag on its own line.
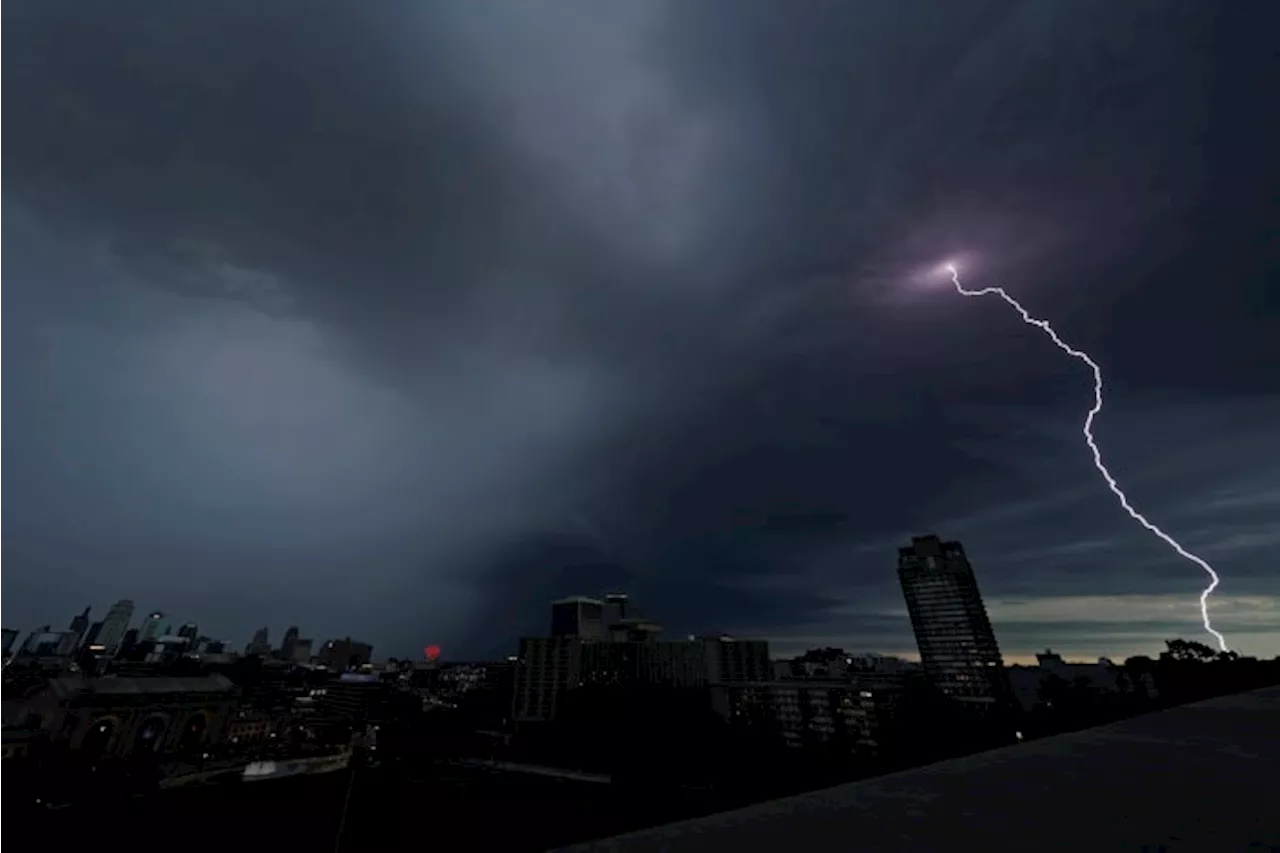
<point x="432" y="652"/>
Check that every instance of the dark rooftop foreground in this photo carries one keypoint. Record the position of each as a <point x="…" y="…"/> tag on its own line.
<point x="1199" y="777"/>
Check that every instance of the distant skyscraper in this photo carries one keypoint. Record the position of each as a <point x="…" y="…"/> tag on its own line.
<point x="261" y="642"/>
<point x="578" y="616"/>
<point x="344" y="654"/>
<point x="35" y="638"/>
<point x="116" y="624"/>
<point x="300" y="652"/>
<point x="80" y="624"/>
<point x="958" y="648"/>
<point x="91" y="636"/>
<point x="287" y="644"/>
<point x="615" y="608"/>
<point x="153" y="627"/>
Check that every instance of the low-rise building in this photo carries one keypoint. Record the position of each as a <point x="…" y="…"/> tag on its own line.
<point x="121" y="715"/>
<point x="1030" y="682"/>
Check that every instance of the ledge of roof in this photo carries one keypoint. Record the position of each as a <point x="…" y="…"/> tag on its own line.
<point x="1204" y="776"/>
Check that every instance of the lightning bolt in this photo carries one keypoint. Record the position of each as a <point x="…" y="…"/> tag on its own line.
<point x="1043" y="325"/>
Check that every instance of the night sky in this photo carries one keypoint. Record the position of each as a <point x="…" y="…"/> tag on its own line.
<point x="399" y="320"/>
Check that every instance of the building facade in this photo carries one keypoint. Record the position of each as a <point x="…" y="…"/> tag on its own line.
<point x="344" y="654"/>
<point x="812" y="713"/>
<point x="578" y="616"/>
<point x="545" y="668"/>
<point x="115" y="625"/>
<point x="120" y="716"/>
<point x="10" y="637"/>
<point x="79" y="624"/>
<point x="287" y="644"/>
<point x="958" y="648"/>
<point x="156" y="625"/>
<point x="628" y="654"/>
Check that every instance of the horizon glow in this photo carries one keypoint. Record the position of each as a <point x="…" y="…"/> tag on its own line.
<point x="1087" y="429"/>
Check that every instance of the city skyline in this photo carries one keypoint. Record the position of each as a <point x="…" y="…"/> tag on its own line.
<point x="784" y="648"/>
<point x="619" y="297"/>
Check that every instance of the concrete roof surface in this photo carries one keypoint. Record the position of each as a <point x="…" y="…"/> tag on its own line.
<point x="1201" y="777"/>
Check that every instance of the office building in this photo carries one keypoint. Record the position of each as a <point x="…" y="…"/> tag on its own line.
<point x="344" y="654"/>
<point x="727" y="660"/>
<point x="80" y="624"/>
<point x="286" y="645"/>
<point x="957" y="645"/>
<point x="629" y="654"/>
<point x="10" y="637"/>
<point x="91" y="635"/>
<point x="1033" y="684"/>
<point x="299" y="651"/>
<point x="155" y="626"/>
<point x="42" y="635"/>
<point x="167" y="648"/>
<point x="116" y="624"/>
<point x="618" y="607"/>
<point x="811" y="713"/>
<point x="122" y="715"/>
<point x="260" y="644"/>
<point x="47" y="643"/>
<point x="545" y="668"/>
<point x="355" y="697"/>
<point x="578" y="616"/>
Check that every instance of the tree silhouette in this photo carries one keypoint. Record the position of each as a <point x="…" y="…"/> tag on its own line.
<point x="1188" y="651"/>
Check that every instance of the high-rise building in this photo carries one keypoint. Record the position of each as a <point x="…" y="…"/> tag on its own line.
<point x="345" y="654"/>
<point x="10" y="635"/>
<point x="616" y="608"/>
<point x="91" y="635"/>
<point x="727" y="660"/>
<point x="607" y="644"/>
<point x="189" y="632"/>
<point x="578" y="616"/>
<point x="957" y="645"/>
<point x="116" y="624"/>
<point x="260" y="644"/>
<point x="156" y="625"/>
<point x="300" y="651"/>
<point x="50" y="643"/>
<point x="545" y="668"/>
<point x="286" y="645"/>
<point x="356" y="697"/>
<point x="43" y="635"/>
<point x="80" y="624"/>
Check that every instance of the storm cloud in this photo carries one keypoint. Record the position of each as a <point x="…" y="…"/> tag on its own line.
<point x="400" y="320"/>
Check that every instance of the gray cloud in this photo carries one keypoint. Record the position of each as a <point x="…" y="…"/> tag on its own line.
<point x="406" y="320"/>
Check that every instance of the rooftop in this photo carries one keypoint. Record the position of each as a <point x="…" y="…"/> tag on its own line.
<point x="1198" y="777"/>
<point x="115" y="685"/>
<point x="577" y="599"/>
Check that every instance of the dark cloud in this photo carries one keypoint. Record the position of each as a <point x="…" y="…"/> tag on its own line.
<point x="400" y="322"/>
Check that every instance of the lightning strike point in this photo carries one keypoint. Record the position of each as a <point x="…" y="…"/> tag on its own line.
<point x="1087" y="430"/>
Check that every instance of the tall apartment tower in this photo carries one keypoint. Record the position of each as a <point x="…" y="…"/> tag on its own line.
<point x="289" y="641"/>
<point x="957" y="645"/>
<point x="116" y="624"/>
<point x="579" y="616"/>
<point x="155" y="626"/>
